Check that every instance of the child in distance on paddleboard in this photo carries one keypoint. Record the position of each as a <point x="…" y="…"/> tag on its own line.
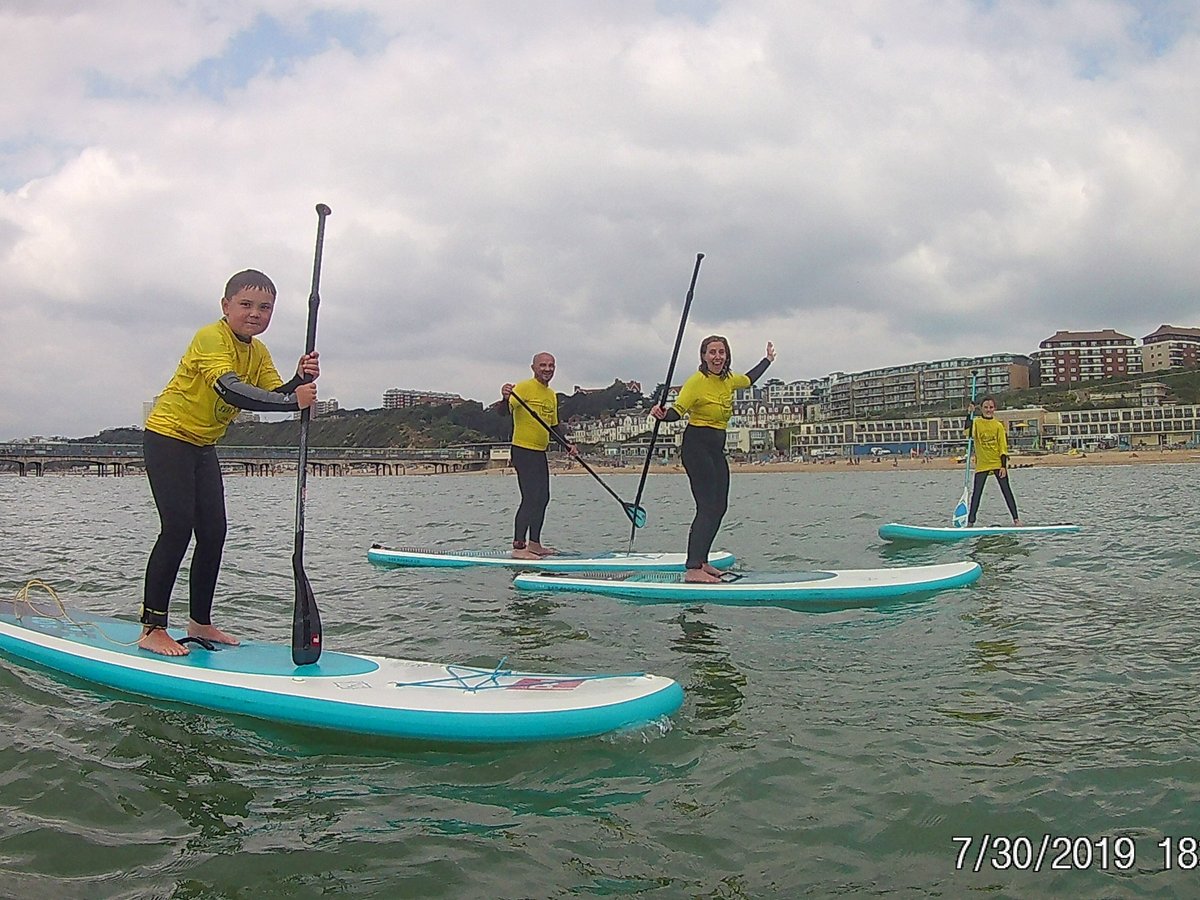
<point x="223" y="370"/>
<point x="991" y="455"/>
<point x="706" y="398"/>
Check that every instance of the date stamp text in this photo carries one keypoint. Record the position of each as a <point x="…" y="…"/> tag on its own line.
<point x="1066" y="853"/>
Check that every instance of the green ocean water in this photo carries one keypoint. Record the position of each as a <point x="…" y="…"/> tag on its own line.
<point x="838" y="752"/>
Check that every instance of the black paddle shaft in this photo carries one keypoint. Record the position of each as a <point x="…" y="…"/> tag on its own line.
<point x="306" y="617"/>
<point x="662" y="395"/>
<point x="631" y="509"/>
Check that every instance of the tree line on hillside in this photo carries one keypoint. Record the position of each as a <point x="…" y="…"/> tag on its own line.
<point x="425" y="427"/>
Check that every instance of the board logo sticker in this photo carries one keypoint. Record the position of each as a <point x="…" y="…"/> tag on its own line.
<point x="545" y="684"/>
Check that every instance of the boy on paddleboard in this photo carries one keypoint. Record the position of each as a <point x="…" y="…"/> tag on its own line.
<point x="991" y="455"/>
<point x="530" y="441"/>
<point x="224" y="370"/>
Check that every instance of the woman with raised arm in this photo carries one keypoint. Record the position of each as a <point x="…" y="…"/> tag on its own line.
<point x="707" y="400"/>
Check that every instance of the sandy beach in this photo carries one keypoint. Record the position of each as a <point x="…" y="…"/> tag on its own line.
<point x="890" y="464"/>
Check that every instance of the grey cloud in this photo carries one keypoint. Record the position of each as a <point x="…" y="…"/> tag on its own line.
<point x="871" y="185"/>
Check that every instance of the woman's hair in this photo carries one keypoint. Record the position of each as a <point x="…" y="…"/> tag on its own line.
<point x="724" y="373"/>
<point x="250" y="278"/>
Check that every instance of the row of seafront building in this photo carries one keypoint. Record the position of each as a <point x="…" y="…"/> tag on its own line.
<point x="1147" y="423"/>
<point x="1143" y="417"/>
<point x="843" y="409"/>
<point x="1065" y="358"/>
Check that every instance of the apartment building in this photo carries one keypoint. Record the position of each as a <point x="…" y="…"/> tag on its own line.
<point x="925" y="434"/>
<point x="318" y="409"/>
<point x="619" y="428"/>
<point x="792" y="393"/>
<point x="762" y="413"/>
<point x="1170" y="347"/>
<point x="925" y="384"/>
<point x="1132" y="427"/>
<point x="1067" y="357"/>
<point x="403" y="398"/>
<point x="1150" y="425"/>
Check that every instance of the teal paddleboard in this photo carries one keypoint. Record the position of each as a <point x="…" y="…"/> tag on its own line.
<point x="558" y="562"/>
<point x="344" y="692"/>
<point x="761" y="588"/>
<point x="894" y="531"/>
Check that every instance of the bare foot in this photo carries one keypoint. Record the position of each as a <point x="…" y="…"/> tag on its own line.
<point x="156" y="640"/>
<point x="525" y="553"/>
<point x="711" y="570"/>
<point x="539" y="549"/>
<point x="211" y="633"/>
<point x="699" y="576"/>
<point x="1017" y="523"/>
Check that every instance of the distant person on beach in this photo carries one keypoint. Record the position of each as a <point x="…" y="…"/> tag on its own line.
<point x="991" y="455"/>
<point x="530" y="440"/>
<point x="706" y="398"/>
<point x="223" y="370"/>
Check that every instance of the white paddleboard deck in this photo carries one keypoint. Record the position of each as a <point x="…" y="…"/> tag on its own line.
<point x="558" y="562"/>
<point x="832" y="585"/>
<point x="345" y="692"/>
<point x="894" y="531"/>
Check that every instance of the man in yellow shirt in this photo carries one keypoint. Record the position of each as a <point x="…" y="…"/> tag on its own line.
<point x="991" y="455"/>
<point x="530" y="441"/>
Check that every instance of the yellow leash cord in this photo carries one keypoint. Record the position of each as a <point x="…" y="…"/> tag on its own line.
<point x="36" y="584"/>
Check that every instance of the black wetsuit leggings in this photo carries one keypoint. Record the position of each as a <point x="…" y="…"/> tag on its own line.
<point x="977" y="492"/>
<point x="703" y="454"/>
<point x="190" y="496"/>
<point x="533" y="478"/>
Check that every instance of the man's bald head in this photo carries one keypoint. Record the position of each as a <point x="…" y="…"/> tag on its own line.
<point x="543" y="367"/>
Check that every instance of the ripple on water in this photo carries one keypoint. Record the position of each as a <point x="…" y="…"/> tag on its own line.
<point x="818" y="752"/>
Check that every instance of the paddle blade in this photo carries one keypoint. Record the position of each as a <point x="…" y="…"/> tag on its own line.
<point x="306" y="620"/>
<point x="637" y="515"/>
<point x="962" y="510"/>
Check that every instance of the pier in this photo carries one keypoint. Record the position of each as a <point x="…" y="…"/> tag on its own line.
<point x="117" y="460"/>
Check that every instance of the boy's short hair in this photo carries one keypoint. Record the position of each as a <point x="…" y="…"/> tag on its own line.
<point x="250" y="278"/>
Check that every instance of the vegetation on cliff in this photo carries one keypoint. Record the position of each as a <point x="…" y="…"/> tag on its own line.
<point x="472" y="422"/>
<point x="419" y="426"/>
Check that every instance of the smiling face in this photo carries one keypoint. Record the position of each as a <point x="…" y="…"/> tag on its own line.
<point x="715" y="355"/>
<point x="543" y="367"/>
<point x="988" y="408"/>
<point x="248" y="312"/>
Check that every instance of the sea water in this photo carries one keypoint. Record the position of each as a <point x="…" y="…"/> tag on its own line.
<point x="941" y="745"/>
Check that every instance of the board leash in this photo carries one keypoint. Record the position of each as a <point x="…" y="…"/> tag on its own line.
<point x="22" y="597"/>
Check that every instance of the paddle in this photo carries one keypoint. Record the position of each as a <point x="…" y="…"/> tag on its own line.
<point x="662" y="396"/>
<point x="306" y="618"/>
<point x="964" y="503"/>
<point x="636" y="514"/>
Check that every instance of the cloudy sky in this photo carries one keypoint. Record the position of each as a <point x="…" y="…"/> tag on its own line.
<point x="872" y="183"/>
